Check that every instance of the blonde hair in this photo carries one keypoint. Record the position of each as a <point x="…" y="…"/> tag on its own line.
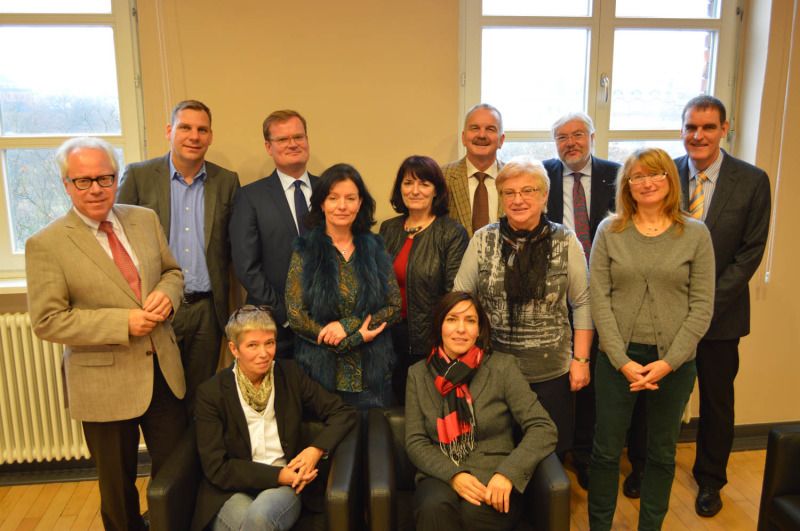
<point x="247" y="318"/>
<point x="523" y="166"/>
<point x="653" y="160"/>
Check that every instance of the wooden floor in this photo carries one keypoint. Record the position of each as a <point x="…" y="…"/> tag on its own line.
<point x="62" y="506"/>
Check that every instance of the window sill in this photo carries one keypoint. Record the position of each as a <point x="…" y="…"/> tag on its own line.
<point x="12" y="286"/>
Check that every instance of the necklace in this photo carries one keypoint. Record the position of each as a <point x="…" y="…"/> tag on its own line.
<point x="652" y="228"/>
<point x="413" y="230"/>
<point x="346" y="249"/>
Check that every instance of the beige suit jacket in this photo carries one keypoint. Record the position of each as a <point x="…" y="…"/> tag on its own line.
<point x="455" y="175"/>
<point x="78" y="297"/>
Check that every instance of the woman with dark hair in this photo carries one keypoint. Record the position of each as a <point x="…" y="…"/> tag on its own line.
<point x="652" y="269"/>
<point x="426" y="246"/>
<point x="341" y="293"/>
<point x="462" y="404"/>
<point x="529" y="273"/>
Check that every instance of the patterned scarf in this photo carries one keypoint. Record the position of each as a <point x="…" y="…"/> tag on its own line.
<point x="256" y="397"/>
<point x="456" y="427"/>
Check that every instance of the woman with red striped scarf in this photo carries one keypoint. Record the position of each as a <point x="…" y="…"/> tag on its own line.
<point x="462" y="403"/>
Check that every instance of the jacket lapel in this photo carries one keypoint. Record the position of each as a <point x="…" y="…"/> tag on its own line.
<point x="556" y="213"/>
<point x="683" y="174"/>
<point x="278" y="197"/>
<point x="210" y="195"/>
<point x="164" y="200"/>
<point x="461" y="189"/>
<point x="724" y="188"/>
<point x="231" y="397"/>
<point x="599" y="199"/>
<point x="281" y="392"/>
<point x="138" y="239"/>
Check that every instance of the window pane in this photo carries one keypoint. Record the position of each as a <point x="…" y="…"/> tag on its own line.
<point x="55" y="6"/>
<point x="531" y="86"/>
<point x="34" y="191"/>
<point x="537" y="8"/>
<point x="671" y="9"/>
<point x="61" y="94"/>
<point x="619" y="151"/>
<point x="537" y="150"/>
<point x="655" y="73"/>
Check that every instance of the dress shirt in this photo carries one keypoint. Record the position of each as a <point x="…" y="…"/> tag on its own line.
<point x="102" y="237"/>
<point x="568" y="182"/>
<point x="287" y="182"/>
<point x="265" y="442"/>
<point x="187" y="228"/>
<point x="712" y="174"/>
<point x="491" y="171"/>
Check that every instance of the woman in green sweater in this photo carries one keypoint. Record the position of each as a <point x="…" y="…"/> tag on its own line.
<point x="652" y="292"/>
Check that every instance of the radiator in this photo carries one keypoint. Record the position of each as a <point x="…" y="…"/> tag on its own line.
<point x="34" y="423"/>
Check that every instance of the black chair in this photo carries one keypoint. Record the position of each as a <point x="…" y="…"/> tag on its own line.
<point x="391" y="481"/>
<point x="780" y="494"/>
<point x="171" y="495"/>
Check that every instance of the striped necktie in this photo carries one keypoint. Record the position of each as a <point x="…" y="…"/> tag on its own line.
<point x="580" y="214"/>
<point x="122" y="259"/>
<point x="698" y="197"/>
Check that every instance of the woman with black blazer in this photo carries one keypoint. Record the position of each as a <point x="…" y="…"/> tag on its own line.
<point x="248" y="430"/>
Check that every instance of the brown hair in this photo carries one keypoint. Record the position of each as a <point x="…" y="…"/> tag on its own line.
<point x="280" y="117"/>
<point x="194" y="105"/>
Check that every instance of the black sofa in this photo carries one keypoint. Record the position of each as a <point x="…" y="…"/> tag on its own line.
<point x="391" y="481"/>
<point x="171" y="495"/>
<point x="780" y="494"/>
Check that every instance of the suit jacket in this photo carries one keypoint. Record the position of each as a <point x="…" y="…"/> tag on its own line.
<point x="501" y="398"/>
<point x="223" y="438"/>
<point x="77" y="296"/>
<point x="262" y="231"/>
<point x="455" y="175"/>
<point x="738" y="220"/>
<point x="604" y="175"/>
<point x="147" y="184"/>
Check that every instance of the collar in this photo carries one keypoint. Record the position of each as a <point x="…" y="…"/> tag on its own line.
<point x="586" y="170"/>
<point x="176" y="175"/>
<point x="95" y="225"/>
<point x="491" y="171"/>
<point x="287" y="181"/>
<point x="712" y="172"/>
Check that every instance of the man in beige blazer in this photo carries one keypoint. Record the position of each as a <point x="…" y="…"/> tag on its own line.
<point x="471" y="179"/>
<point x="107" y="293"/>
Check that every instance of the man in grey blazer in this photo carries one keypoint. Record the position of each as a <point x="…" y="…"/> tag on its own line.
<point x="193" y="199"/>
<point x="267" y="217"/>
<point x="102" y="281"/>
<point x="471" y="179"/>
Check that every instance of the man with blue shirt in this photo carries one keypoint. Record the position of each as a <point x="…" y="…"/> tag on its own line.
<point x="193" y="200"/>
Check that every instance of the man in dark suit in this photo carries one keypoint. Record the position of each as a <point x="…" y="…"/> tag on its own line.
<point x="267" y="217"/>
<point x="193" y="199"/>
<point x="581" y="194"/>
<point x="734" y="201"/>
<point x="102" y="282"/>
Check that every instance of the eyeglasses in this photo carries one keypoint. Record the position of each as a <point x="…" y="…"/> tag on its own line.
<point x="579" y="136"/>
<point x="525" y="193"/>
<point x="284" y="140"/>
<point x="638" y="180"/>
<point x="84" y="183"/>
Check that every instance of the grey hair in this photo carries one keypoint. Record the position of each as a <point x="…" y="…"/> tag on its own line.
<point x="523" y="165"/>
<point x="83" y="142"/>
<point x="248" y="318"/>
<point x="582" y="116"/>
<point x="488" y="107"/>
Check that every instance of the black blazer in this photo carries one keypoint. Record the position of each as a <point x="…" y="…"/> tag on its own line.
<point x="223" y="439"/>
<point x="262" y="231"/>
<point x="604" y="175"/>
<point x="738" y="220"/>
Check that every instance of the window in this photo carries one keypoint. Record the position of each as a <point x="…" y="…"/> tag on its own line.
<point x="630" y="64"/>
<point x="67" y="69"/>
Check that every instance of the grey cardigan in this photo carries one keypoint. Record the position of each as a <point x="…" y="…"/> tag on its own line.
<point x="674" y="269"/>
<point x="501" y="397"/>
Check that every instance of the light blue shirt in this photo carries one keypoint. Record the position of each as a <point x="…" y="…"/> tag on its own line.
<point x="187" y="228"/>
<point x="568" y="182"/>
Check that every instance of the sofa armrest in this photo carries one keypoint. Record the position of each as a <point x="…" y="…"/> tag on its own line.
<point x="380" y="472"/>
<point x="548" y="496"/>
<point x="172" y="493"/>
<point x="780" y="469"/>
<point x="341" y="493"/>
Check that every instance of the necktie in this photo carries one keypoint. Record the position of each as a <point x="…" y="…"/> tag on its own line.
<point x="122" y="259"/>
<point x="696" y="202"/>
<point x="581" y="215"/>
<point x="480" y="203"/>
<point x="300" y="206"/>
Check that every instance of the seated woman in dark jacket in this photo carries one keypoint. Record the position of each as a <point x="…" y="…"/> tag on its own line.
<point x="426" y="246"/>
<point x="248" y="430"/>
<point x="461" y="406"/>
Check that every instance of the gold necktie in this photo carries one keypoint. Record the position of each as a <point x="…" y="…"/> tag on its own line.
<point x="698" y="197"/>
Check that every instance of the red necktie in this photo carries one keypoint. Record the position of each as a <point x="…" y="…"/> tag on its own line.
<point x="480" y="203"/>
<point x="581" y="215"/>
<point x="122" y="259"/>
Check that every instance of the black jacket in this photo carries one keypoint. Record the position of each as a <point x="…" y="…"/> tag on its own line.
<point x="432" y="266"/>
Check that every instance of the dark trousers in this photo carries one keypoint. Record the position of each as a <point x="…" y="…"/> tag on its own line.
<point x="402" y="349"/>
<point x="557" y="399"/>
<point x="615" y="403"/>
<point x="199" y="340"/>
<point x="717" y="365"/>
<point x="115" y="446"/>
<point x="585" y="416"/>
<point x="437" y="507"/>
<point x="637" y="435"/>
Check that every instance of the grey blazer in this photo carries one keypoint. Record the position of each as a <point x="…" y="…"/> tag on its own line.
<point x="501" y="398"/>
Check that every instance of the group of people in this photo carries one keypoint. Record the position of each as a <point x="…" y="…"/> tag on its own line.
<point x="486" y="289"/>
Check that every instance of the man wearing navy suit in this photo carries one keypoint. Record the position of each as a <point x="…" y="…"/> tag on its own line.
<point x="581" y="194"/>
<point x="267" y="217"/>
